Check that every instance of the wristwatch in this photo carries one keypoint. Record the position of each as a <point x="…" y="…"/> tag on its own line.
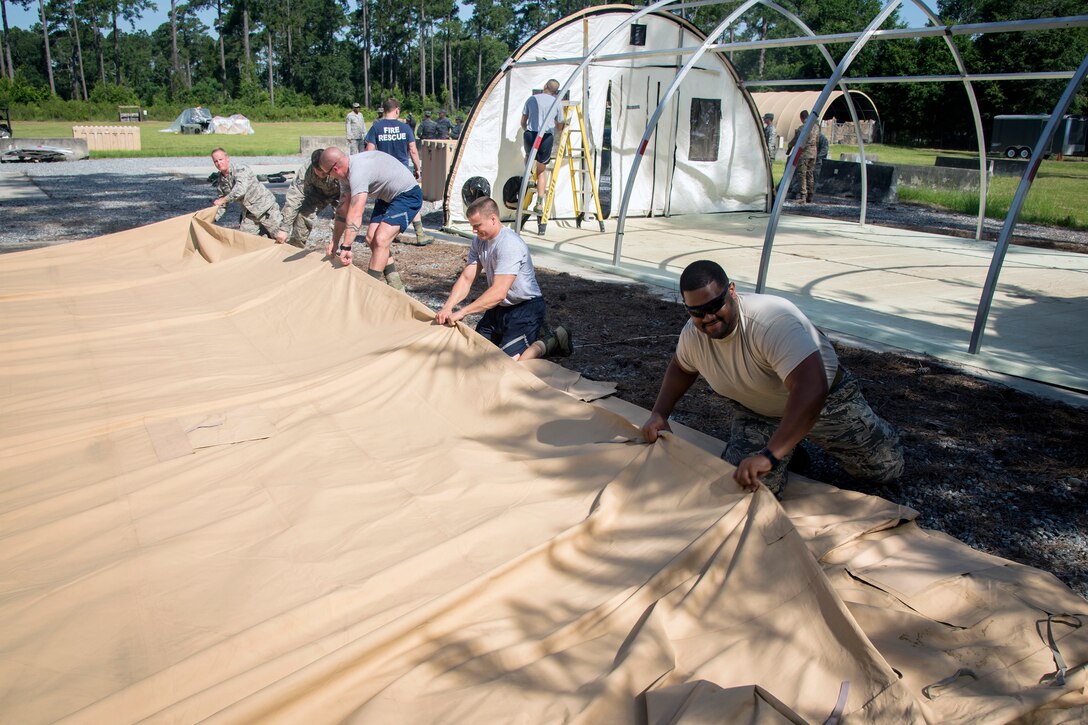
<point x="766" y="453"/>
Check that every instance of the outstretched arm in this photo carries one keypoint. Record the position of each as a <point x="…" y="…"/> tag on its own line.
<point x="676" y="382"/>
<point x="807" y="386"/>
<point x="353" y="224"/>
<point x="459" y="292"/>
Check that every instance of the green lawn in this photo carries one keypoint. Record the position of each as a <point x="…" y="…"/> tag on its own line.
<point x="1058" y="196"/>
<point x="269" y="139"/>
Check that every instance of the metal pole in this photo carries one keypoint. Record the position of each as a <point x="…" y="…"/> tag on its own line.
<point x="982" y="180"/>
<point x="1002" y="246"/>
<point x="621" y="221"/>
<point x="814" y="113"/>
<point x="531" y="156"/>
<point x="863" y="168"/>
<point x="1005" y="26"/>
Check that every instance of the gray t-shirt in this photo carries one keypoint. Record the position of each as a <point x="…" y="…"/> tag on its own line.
<point x="378" y="174"/>
<point x="507" y="253"/>
<point x="536" y="109"/>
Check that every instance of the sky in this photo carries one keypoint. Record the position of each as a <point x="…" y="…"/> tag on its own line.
<point x="25" y="18"/>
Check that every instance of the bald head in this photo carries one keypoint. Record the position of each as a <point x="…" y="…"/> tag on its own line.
<point x="334" y="162"/>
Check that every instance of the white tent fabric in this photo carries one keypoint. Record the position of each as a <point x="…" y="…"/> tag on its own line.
<point x="198" y="116"/>
<point x="735" y="175"/>
<point x="234" y="124"/>
<point x="240" y="484"/>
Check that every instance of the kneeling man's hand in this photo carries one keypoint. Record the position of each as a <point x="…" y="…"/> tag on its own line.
<point x="750" y="470"/>
<point x="653" y="427"/>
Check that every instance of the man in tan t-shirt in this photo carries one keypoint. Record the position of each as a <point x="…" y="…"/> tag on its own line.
<point x="783" y="379"/>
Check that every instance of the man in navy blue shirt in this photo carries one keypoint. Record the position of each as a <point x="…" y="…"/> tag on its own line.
<point x="396" y="138"/>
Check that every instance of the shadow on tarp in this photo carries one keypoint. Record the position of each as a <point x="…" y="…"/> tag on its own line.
<point x="432" y="533"/>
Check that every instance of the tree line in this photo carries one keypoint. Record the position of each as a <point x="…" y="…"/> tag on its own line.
<point x="282" y="54"/>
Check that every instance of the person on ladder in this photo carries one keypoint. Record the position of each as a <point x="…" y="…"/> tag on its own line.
<point x="535" y="117"/>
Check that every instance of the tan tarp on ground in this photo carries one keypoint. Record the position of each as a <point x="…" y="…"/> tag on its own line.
<point x="238" y="484"/>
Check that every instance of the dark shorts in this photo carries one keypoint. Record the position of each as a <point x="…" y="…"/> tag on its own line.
<point x="514" y="328"/>
<point x="544" y="153"/>
<point x="401" y="211"/>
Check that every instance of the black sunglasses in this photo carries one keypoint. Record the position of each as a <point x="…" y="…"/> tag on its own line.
<point x="708" y="308"/>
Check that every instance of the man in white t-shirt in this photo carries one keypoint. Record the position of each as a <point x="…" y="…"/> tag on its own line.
<point x="512" y="304"/>
<point x="397" y="196"/>
<point x="783" y="379"/>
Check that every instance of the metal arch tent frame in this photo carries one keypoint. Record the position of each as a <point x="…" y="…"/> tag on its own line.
<point x="666" y="99"/>
<point x="859" y="41"/>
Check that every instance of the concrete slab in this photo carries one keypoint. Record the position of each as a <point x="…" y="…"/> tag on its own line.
<point x="893" y="287"/>
<point x="15" y="185"/>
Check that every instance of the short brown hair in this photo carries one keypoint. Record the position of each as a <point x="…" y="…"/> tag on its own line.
<point x="484" y="205"/>
<point x="390" y="104"/>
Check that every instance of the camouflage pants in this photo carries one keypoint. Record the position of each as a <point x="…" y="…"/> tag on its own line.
<point x="299" y="233"/>
<point x="356" y="146"/>
<point x="266" y="224"/>
<point x="807" y="171"/>
<point x="865" y="445"/>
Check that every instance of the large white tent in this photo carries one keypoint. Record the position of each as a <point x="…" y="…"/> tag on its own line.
<point x="707" y="154"/>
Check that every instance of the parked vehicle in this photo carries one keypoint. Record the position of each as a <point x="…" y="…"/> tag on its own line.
<point x="1016" y="136"/>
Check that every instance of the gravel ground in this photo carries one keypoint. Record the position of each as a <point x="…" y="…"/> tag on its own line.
<point x="1002" y="470"/>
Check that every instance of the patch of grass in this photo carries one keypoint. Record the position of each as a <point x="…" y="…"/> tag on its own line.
<point x="268" y="139"/>
<point x="1058" y="196"/>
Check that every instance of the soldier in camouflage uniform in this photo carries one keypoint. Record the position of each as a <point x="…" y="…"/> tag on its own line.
<point x="260" y="212"/>
<point x="310" y="192"/>
<point x="354" y="129"/>
<point x="783" y="380"/>
<point x="428" y="128"/>
<point x="443" y="125"/>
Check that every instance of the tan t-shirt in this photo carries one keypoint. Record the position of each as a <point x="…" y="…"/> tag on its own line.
<point x="749" y="366"/>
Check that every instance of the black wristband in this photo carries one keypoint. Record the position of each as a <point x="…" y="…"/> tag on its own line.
<point x="766" y="453"/>
<point x="344" y="248"/>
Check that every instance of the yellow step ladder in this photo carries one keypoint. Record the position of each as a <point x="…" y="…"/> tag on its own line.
<point x="579" y="162"/>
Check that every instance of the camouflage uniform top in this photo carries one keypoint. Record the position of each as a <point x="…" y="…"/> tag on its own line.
<point x="354" y="126"/>
<point x="240" y="184"/>
<point x="445" y="128"/>
<point x="770" y="133"/>
<point x="427" y="129"/>
<point x="822" y="146"/>
<point x="308" y="186"/>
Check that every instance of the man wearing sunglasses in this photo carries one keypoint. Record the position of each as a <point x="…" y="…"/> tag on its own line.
<point x="398" y="199"/>
<point x="781" y="377"/>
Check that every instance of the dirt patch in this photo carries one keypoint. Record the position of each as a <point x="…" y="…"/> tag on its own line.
<point x="999" y="469"/>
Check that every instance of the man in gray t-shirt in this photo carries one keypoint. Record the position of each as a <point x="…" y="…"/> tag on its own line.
<point x="512" y="304"/>
<point x="542" y="113"/>
<point x="398" y="199"/>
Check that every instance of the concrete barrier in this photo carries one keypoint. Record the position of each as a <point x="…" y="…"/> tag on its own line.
<point x="307" y="144"/>
<point x="998" y="167"/>
<point x="843" y="178"/>
<point x="78" y="146"/>
<point x="938" y="177"/>
<point x="873" y="158"/>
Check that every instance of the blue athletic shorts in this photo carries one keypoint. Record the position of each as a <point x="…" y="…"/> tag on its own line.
<point x="513" y="328"/>
<point x="544" y="153"/>
<point x="399" y="212"/>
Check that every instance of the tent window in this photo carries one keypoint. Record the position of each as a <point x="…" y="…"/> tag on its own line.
<point x="706" y="125"/>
